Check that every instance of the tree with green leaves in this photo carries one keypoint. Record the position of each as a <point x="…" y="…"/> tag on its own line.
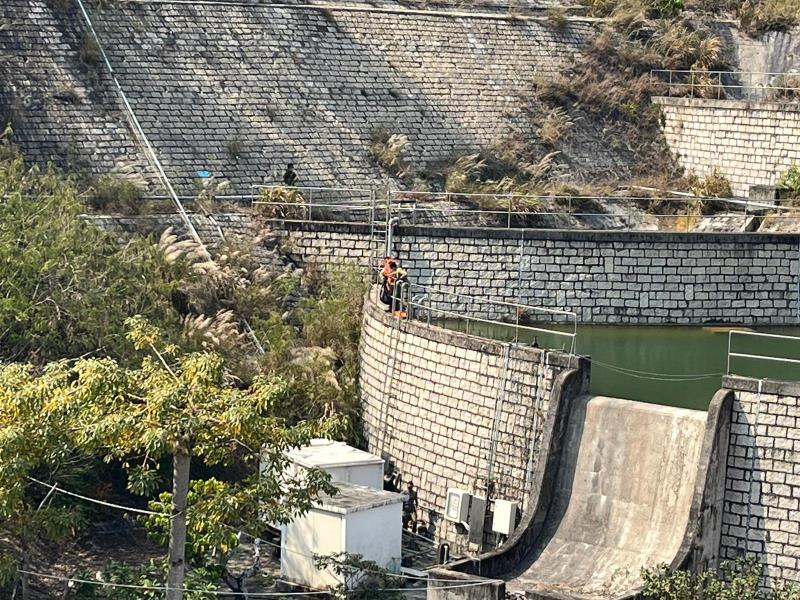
<point x="68" y="286"/>
<point x="178" y="406"/>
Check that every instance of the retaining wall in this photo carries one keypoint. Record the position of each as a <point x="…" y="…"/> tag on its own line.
<point x="242" y="90"/>
<point x="604" y="276"/>
<point x="751" y="143"/>
<point x="453" y="411"/>
<point x="763" y="476"/>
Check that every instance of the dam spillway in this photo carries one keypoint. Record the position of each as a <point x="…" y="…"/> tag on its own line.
<point x="621" y="501"/>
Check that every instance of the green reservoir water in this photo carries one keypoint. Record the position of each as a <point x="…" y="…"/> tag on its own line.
<point x="676" y="366"/>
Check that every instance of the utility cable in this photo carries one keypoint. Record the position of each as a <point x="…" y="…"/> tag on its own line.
<point x="231" y="527"/>
<point x="163" y="588"/>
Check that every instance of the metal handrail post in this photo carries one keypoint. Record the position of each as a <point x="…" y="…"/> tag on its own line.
<point x="508" y="222"/>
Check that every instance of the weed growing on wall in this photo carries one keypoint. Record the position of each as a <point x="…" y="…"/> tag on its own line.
<point x="760" y="16"/>
<point x="387" y="149"/>
<point x="789" y="182"/>
<point x="740" y="580"/>
<point x="110" y="194"/>
<point x="714" y="185"/>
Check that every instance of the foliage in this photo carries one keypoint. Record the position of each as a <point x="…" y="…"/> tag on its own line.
<point x="784" y="88"/>
<point x="178" y="405"/>
<point x="281" y="203"/>
<point x="669" y="9"/>
<point x="734" y="581"/>
<point x="387" y="149"/>
<point x="89" y="52"/>
<point x="321" y="368"/>
<point x="360" y="578"/>
<point x="150" y="574"/>
<point x="557" y="16"/>
<point x="554" y="126"/>
<point x="714" y="185"/>
<point x="789" y="181"/>
<point x="115" y="195"/>
<point x="67" y="285"/>
<point x="760" y="16"/>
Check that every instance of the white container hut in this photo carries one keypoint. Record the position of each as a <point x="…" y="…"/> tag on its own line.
<point x="357" y="520"/>
<point x="341" y="462"/>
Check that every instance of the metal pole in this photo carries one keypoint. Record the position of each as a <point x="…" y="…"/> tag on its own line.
<point x="730" y="335"/>
<point x="508" y="223"/>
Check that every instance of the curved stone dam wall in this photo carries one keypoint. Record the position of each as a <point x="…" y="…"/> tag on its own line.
<point x="242" y="90"/>
<point x="453" y="411"/>
<point x="607" y="486"/>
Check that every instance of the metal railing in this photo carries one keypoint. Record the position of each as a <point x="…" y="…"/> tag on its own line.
<point x="721" y="85"/>
<point x="422" y="302"/>
<point x="761" y="357"/>
<point x="300" y="203"/>
<point x="504" y="209"/>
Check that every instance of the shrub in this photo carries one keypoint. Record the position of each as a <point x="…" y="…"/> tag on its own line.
<point x="89" y="52"/>
<point x="784" y="88"/>
<point x="235" y="148"/>
<point x="740" y="580"/>
<point x="554" y="126"/>
<point x="789" y="182"/>
<point x="281" y="203"/>
<point x="557" y="17"/>
<point x="760" y="16"/>
<point x="715" y="185"/>
<point x="386" y="149"/>
<point x="668" y="9"/>
<point x="115" y="195"/>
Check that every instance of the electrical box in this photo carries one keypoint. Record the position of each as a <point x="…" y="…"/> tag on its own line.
<point x="457" y="507"/>
<point x="505" y="517"/>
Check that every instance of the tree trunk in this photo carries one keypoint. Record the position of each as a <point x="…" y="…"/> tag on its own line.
<point x="181" y="463"/>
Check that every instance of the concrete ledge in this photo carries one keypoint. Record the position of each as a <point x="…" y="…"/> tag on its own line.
<point x="768" y="386"/>
<point x="729" y="104"/>
<point x="442" y="584"/>
<point x="496" y="233"/>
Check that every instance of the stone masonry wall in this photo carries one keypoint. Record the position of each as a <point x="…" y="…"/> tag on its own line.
<point x="431" y="399"/>
<point x="242" y="90"/>
<point x="763" y="476"/>
<point x="751" y="143"/>
<point x="606" y="277"/>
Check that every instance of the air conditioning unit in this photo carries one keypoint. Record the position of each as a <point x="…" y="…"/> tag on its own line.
<point x="457" y="507"/>
<point x="505" y="517"/>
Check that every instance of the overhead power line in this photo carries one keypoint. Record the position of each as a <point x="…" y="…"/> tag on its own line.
<point x="231" y="527"/>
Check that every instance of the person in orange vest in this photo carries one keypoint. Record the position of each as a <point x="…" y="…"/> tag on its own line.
<point x="391" y="275"/>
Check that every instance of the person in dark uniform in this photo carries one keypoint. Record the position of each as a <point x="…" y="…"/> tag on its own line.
<point x="289" y="176"/>
<point x="409" y="497"/>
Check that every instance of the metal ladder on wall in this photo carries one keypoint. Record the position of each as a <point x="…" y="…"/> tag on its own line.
<point x="378" y="230"/>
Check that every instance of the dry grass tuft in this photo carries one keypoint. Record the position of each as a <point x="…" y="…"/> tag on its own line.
<point x="387" y="149"/>
<point x="555" y="126"/>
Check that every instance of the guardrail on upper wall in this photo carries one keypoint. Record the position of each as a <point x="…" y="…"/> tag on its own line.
<point x="502" y="210"/>
<point x="727" y="85"/>
<point x="424" y="303"/>
<point x="771" y="358"/>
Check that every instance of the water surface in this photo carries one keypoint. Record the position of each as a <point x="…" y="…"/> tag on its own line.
<point x="676" y="366"/>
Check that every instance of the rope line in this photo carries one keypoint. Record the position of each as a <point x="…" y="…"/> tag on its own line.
<point x="231" y="527"/>
<point x="163" y="588"/>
